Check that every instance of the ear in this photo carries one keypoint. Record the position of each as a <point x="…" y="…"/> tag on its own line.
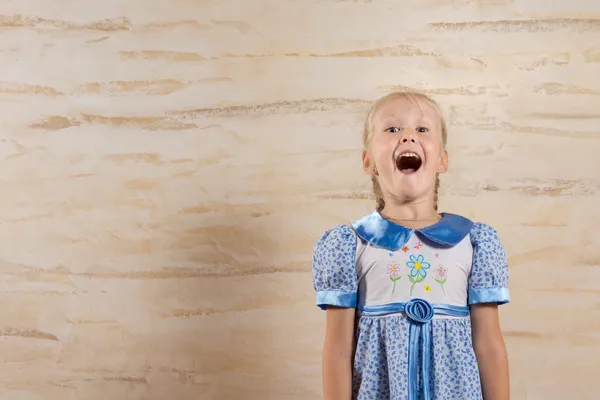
<point x="443" y="167"/>
<point x="368" y="163"/>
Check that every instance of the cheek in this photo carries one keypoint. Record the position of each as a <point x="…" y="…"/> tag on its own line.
<point x="382" y="151"/>
<point x="433" y="150"/>
<point x="384" y="158"/>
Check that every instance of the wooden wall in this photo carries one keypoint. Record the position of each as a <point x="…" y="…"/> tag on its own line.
<point x="168" y="165"/>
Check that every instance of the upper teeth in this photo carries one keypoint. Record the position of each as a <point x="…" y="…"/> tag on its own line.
<point x="409" y="155"/>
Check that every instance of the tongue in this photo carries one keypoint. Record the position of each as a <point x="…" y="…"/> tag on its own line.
<point x="408" y="164"/>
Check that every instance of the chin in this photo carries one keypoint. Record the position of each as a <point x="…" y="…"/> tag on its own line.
<point x="408" y="193"/>
<point x="412" y="187"/>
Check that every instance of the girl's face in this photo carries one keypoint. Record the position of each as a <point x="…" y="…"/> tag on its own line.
<point x="405" y="150"/>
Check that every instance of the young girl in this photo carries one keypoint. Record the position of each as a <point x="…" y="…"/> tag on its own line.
<point x="411" y="295"/>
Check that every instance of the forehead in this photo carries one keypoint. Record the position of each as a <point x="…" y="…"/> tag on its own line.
<point x="405" y="107"/>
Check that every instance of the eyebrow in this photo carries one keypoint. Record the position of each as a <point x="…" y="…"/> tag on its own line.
<point x="389" y="119"/>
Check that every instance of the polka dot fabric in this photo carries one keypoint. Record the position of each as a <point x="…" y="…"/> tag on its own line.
<point x="381" y="359"/>
<point x="490" y="267"/>
<point x="476" y="266"/>
<point x="334" y="261"/>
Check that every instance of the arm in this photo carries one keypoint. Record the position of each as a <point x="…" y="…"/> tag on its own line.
<point x="336" y="282"/>
<point x="338" y="352"/>
<point x="488" y="289"/>
<point x="490" y="351"/>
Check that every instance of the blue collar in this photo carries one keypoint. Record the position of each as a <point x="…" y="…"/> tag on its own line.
<point x="447" y="232"/>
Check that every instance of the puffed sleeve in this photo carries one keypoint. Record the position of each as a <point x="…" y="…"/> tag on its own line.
<point x="334" y="268"/>
<point x="488" y="282"/>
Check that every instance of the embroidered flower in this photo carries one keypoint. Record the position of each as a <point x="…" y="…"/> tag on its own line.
<point x="394" y="270"/>
<point x="395" y="274"/>
<point x="441" y="272"/>
<point x="427" y="288"/>
<point x="418" y="245"/>
<point x="418" y="267"/>
<point x="405" y="249"/>
<point x="441" y="275"/>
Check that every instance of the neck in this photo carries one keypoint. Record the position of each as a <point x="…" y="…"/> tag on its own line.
<point x="417" y="214"/>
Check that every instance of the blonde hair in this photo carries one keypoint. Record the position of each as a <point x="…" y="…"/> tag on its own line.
<point x="368" y="133"/>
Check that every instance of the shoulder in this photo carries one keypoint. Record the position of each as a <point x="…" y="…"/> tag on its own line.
<point x="337" y="242"/>
<point x="336" y="236"/>
<point x="486" y="242"/>
<point x="482" y="232"/>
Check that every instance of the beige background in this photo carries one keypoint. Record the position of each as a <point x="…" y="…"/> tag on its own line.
<point x="168" y="165"/>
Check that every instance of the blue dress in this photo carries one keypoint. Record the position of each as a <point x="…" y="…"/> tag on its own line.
<point x="412" y="290"/>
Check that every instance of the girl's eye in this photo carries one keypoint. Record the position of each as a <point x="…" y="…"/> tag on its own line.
<point x="422" y="129"/>
<point x="393" y="129"/>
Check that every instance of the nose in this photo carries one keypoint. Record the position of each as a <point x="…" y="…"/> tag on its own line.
<point x="408" y="138"/>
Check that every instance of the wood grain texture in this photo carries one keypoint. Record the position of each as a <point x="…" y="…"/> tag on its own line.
<point x="168" y="167"/>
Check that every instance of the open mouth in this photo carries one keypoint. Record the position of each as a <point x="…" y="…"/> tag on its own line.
<point x="408" y="162"/>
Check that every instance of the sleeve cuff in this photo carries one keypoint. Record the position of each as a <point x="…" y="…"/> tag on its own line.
<point x="496" y="294"/>
<point x="334" y="298"/>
